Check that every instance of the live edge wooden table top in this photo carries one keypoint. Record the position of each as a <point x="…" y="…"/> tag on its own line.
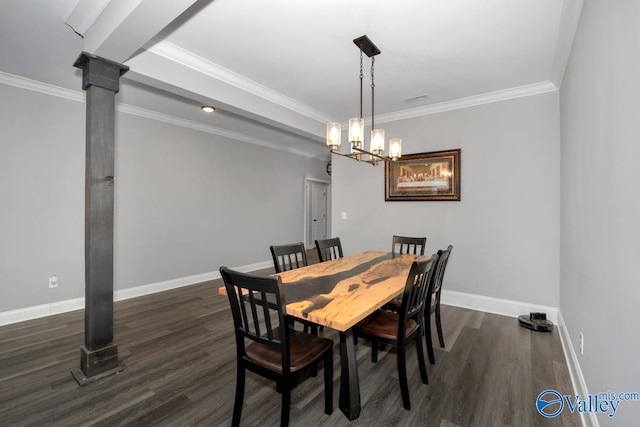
<point x="340" y="293"/>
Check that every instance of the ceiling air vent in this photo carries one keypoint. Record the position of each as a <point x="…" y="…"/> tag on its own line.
<point x="415" y="99"/>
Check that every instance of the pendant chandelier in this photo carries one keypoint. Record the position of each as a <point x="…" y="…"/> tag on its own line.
<point x="356" y="125"/>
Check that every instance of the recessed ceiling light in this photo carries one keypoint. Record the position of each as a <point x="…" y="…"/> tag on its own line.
<point x="208" y="109"/>
<point x="415" y="99"/>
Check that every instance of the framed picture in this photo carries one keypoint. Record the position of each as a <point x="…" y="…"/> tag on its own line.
<point x="423" y="177"/>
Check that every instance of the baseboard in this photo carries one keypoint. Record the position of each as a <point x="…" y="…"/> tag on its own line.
<point x="577" y="379"/>
<point x="38" y="311"/>
<point x="496" y="305"/>
<point x="459" y="299"/>
<point x="58" y="307"/>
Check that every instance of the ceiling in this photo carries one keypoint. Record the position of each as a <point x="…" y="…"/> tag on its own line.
<point x="278" y="70"/>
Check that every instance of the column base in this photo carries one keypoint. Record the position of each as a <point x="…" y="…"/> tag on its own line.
<point x="97" y="364"/>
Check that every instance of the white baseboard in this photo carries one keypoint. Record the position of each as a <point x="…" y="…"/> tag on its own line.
<point x="58" y="307"/>
<point x="579" y="384"/>
<point x="459" y="299"/>
<point x="38" y="311"/>
<point x="496" y="305"/>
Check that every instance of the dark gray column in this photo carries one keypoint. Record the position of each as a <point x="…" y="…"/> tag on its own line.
<point x="99" y="355"/>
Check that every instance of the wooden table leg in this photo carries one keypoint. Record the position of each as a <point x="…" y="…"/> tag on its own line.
<point x="349" y="385"/>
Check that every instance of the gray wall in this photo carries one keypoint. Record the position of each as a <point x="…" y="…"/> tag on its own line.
<point x="42" y="191"/>
<point x="505" y="230"/>
<point x="186" y="202"/>
<point x="600" y="211"/>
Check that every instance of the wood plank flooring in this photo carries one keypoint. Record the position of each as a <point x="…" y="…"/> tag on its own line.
<point x="180" y="355"/>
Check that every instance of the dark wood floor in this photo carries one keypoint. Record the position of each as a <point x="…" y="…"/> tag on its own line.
<point x="180" y="356"/>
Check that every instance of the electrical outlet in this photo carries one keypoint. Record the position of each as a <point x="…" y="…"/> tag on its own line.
<point x="581" y="343"/>
<point x="53" y="281"/>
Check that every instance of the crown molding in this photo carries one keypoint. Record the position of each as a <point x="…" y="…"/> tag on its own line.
<point x="501" y="95"/>
<point x="36" y="86"/>
<point x="472" y="101"/>
<point x="188" y="59"/>
<point x="161" y="117"/>
<point x="79" y="96"/>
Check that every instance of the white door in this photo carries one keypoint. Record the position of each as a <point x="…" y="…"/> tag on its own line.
<point x="318" y="211"/>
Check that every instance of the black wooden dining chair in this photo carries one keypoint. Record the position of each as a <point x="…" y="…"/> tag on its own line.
<point x="266" y="346"/>
<point x="329" y="249"/>
<point x="289" y="256"/>
<point x="405" y="245"/>
<point x="401" y="328"/>
<point x="433" y="301"/>
<point x="408" y="245"/>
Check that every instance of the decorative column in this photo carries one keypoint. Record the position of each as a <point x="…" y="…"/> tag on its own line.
<point x="99" y="355"/>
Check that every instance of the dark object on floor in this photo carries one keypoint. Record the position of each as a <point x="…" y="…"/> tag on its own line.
<point x="536" y="322"/>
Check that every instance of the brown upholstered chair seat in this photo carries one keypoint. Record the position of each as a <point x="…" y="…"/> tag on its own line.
<point x="304" y="350"/>
<point x="384" y="324"/>
<point x="396" y="303"/>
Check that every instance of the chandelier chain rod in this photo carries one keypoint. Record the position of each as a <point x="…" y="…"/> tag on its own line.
<point x="361" y="79"/>
<point x="373" y="86"/>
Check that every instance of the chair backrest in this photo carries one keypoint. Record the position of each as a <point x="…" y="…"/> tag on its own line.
<point x="288" y="257"/>
<point x="252" y="319"/>
<point x="438" y="273"/>
<point x="408" y="245"/>
<point x="415" y="290"/>
<point x="329" y="249"/>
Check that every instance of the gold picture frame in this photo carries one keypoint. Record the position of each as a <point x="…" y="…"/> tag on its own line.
<point x="433" y="176"/>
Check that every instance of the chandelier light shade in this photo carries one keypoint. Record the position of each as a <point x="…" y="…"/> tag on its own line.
<point x="356" y="130"/>
<point x="356" y="125"/>
<point x="377" y="141"/>
<point x="356" y="136"/>
<point x="395" y="148"/>
<point x="334" y="135"/>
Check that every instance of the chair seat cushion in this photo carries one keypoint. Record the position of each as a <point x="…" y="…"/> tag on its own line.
<point x="396" y="303"/>
<point x="305" y="349"/>
<point x="384" y="324"/>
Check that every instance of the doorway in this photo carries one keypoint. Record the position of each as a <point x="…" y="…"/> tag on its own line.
<point x="316" y="222"/>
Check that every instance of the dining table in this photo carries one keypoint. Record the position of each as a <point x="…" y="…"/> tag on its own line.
<point x="338" y="294"/>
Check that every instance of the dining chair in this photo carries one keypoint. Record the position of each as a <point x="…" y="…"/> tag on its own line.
<point x="405" y="245"/>
<point x="264" y="343"/>
<point x="401" y="328"/>
<point x="433" y="301"/>
<point x="288" y="257"/>
<point x="408" y="245"/>
<point x="329" y="249"/>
